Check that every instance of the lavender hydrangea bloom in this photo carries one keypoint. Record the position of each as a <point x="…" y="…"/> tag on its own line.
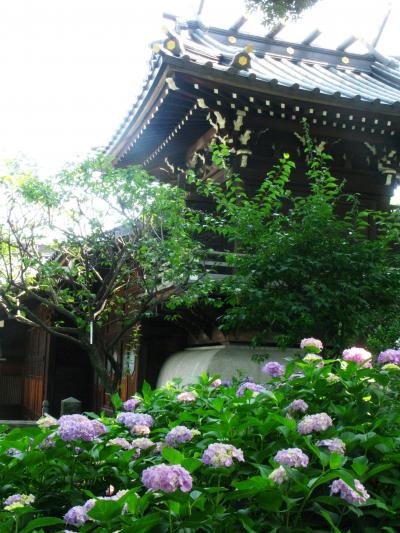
<point x="216" y="383"/>
<point x="333" y="445"/>
<point x="16" y="501"/>
<point x="187" y="397"/>
<point x="74" y="427"/>
<point x="221" y="455"/>
<point x="135" y="419"/>
<point x="312" y="344"/>
<point x="297" y="405"/>
<point x="178" y="435"/>
<point x="348" y="494"/>
<point x="311" y="423"/>
<point x="142" y="444"/>
<point x="389" y="356"/>
<point x="295" y="375"/>
<point x="279" y="475"/>
<point x="291" y="457"/>
<point x="358" y="355"/>
<point x="131" y="404"/>
<point x="167" y="478"/>
<point x="121" y="442"/>
<point x="248" y="385"/>
<point x="274" y="369"/>
<point x="76" y="516"/>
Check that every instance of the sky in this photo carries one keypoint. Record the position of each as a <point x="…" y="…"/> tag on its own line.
<point x="70" y="69"/>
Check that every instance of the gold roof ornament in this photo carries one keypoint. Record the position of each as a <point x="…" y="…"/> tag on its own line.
<point x="242" y="60"/>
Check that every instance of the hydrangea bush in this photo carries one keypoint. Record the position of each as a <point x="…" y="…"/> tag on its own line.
<point x="314" y="448"/>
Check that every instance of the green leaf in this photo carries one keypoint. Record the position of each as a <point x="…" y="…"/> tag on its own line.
<point x="173" y="456"/>
<point x="42" y="522"/>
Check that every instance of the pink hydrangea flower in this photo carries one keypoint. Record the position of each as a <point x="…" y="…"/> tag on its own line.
<point x="141" y="430"/>
<point x="216" y="383"/>
<point x="312" y="345"/>
<point x="358" y="355"/>
<point x="187" y="396"/>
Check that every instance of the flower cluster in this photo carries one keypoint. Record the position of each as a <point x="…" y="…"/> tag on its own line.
<point x="313" y="358"/>
<point x="274" y="369"/>
<point x="132" y="420"/>
<point x="46" y="422"/>
<point x="311" y="423"/>
<point x="279" y="475"/>
<point x="142" y="444"/>
<point x="187" y="396"/>
<point x="131" y="404"/>
<point x="167" y="478"/>
<point x="333" y="445"/>
<point x="216" y="383"/>
<point x="178" y="435"/>
<point x="74" y="427"/>
<point x="348" y="494"/>
<point x="249" y="385"/>
<point x="221" y="455"/>
<point x="18" y="500"/>
<point x="389" y="356"/>
<point x="312" y="345"/>
<point x="358" y="355"/>
<point x="121" y="442"/>
<point x="78" y="515"/>
<point x="297" y="405"/>
<point x="291" y="457"/>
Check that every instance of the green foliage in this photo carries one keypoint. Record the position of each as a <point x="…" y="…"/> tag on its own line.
<point x="363" y="403"/>
<point x="276" y="10"/>
<point x="301" y="264"/>
<point x="95" y="245"/>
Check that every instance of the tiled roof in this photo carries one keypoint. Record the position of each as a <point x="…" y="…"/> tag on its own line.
<point x="335" y="73"/>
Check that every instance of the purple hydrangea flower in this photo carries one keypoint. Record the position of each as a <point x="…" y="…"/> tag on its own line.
<point x="311" y="423"/>
<point x="135" y="419"/>
<point x="74" y="427"/>
<point x="295" y="375"/>
<point x="178" y="435"/>
<point x="333" y="445"/>
<point x="76" y="516"/>
<point x="187" y="397"/>
<point x="291" y="457"/>
<point x="348" y="494"/>
<point x="311" y="344"/>
<point x="167" y="478"/>
<point x="297" y="405"/>
<point x="216" y="383"/>
<point x="219" y="455"/>
<point x="248" y="385"/>
<point x="14" y="452"/>
<point x="121" y="442"/>
<point x="358" y="355"/>
<point x="16" y="501"/>
<point x="274" y="369"/>
<point x="131" y="404"/>
<point x="279" y="475"/>
<point x="389" y="356"/>
<point x="142" y="444"/>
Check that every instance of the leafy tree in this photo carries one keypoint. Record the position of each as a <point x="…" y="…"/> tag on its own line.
<point x="299" y="267"/>
<point x="276" y="10"/>
<point x="99" y="248"/>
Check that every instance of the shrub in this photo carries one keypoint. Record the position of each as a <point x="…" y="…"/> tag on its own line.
<point x="318" y="449"/>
